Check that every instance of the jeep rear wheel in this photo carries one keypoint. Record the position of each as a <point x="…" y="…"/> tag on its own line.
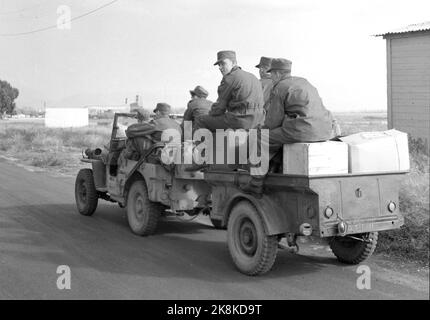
<point x="85" y="192"/>
<point x="252" y="251"/>
<point x="142" y="213"/>
<point x="354" y="249"/>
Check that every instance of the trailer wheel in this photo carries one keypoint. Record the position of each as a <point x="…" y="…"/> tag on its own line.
<point x="354" y="251"/>
<point x="85" y="192"/>
<point x="142" y="213"/>
<point x="252" y="251"/>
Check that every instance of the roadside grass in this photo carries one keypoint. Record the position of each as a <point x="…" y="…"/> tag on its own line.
<point x="38" y="146"/>
<point x="412" y="240"/>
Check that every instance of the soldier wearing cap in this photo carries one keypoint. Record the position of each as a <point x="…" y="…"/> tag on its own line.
<point x="296" y="114"/>
<point x="198" y="105"/>
<point x="265" y="79"/>
<point x="143" y="134"/>
<point x="296" y="110"/>
<point x="240" y="98"/>
<point x="162" y="121"/>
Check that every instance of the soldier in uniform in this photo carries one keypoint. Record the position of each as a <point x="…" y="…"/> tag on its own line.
<point x="265" y="79"/>
<point x="162" y="121"/>
<point x="198" y="105"/>
<point x="296" y="114"/>
<point x="155" y="127"/>
<point x="144" y="134"/>
<point x="240" y="98"/>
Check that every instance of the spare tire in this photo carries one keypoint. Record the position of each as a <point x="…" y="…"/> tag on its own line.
<point x="354" y="250"/>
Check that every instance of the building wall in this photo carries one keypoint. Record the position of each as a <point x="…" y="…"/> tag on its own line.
<point x="408" y="58"/>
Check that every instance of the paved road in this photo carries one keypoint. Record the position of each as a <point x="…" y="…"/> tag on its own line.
<point x="40" y="229"/>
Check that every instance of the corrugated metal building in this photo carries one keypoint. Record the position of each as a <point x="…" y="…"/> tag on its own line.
<point x="408" y="74"/>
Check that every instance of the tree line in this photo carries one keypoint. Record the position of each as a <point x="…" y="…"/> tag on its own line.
<point x="8" y="94"/>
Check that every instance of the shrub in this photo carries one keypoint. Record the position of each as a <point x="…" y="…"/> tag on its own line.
<point x="45" y="160"/>
<point x="412" y="240"/>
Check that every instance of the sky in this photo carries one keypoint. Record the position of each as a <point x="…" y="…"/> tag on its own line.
<point x="160" y="49"/>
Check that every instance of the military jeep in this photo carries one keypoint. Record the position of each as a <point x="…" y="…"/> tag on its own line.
<point x="346" y="210"/>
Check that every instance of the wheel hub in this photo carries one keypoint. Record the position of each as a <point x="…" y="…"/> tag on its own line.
<point x="82" y="192"/>
<point x="139" y="205"/>
<point x="248" y="238"/>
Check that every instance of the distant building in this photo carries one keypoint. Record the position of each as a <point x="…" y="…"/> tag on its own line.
<point x="135" y="104"/>
<point x="66" y="117"/>
<point x="96" y="110"/>
<point x="408" y="75"/>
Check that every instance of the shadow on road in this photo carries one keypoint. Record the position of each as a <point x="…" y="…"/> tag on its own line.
<point x="57" y="234"/>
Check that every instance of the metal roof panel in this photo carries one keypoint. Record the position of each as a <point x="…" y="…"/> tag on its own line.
<point x="416" y="27"/>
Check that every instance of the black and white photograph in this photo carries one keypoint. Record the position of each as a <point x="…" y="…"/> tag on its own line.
<point x="214" y="156"/>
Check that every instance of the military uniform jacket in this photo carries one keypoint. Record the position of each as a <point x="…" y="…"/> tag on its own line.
<point x="240" y="97"/>
<point x="297" y="111"/>
<point x="267" y="85"/>
<point x="162" y="124"/>
<point x="197" y="107"/>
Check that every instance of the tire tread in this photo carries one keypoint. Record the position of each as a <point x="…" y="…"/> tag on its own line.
<point x="92" y="196"/>
<point x="269" y="247"/>
<point x="362" y="253"/>
<point x="154" y="210"/>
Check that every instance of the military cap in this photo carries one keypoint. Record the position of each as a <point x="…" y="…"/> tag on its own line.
<point x="200" y="92"/>
<point x="162" y="107"/>
<point x="264" y="62"/>
<point x="280" y="64"/>
<point x="227" y="54"/>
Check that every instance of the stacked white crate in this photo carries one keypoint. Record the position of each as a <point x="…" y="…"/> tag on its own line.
<point x="364" y="152"/>
<point x="384" y="151"/>
<point x="316" y="158"/>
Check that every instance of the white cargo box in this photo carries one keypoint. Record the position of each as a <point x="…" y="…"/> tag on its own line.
<point x="317" y="158"/>
<point x="378" y="151"/>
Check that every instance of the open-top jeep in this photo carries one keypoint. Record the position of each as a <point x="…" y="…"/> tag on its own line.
<point x="347" y="210"/>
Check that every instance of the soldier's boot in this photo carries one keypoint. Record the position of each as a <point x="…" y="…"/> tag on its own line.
<point x="254" y="186"/>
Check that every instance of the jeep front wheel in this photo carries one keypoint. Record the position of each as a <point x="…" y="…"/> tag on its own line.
<point x="85" y="192"/>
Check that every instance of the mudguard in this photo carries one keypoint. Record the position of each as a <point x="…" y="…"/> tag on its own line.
<point x="99" y="173"/>
<point x="275" y="218"/>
